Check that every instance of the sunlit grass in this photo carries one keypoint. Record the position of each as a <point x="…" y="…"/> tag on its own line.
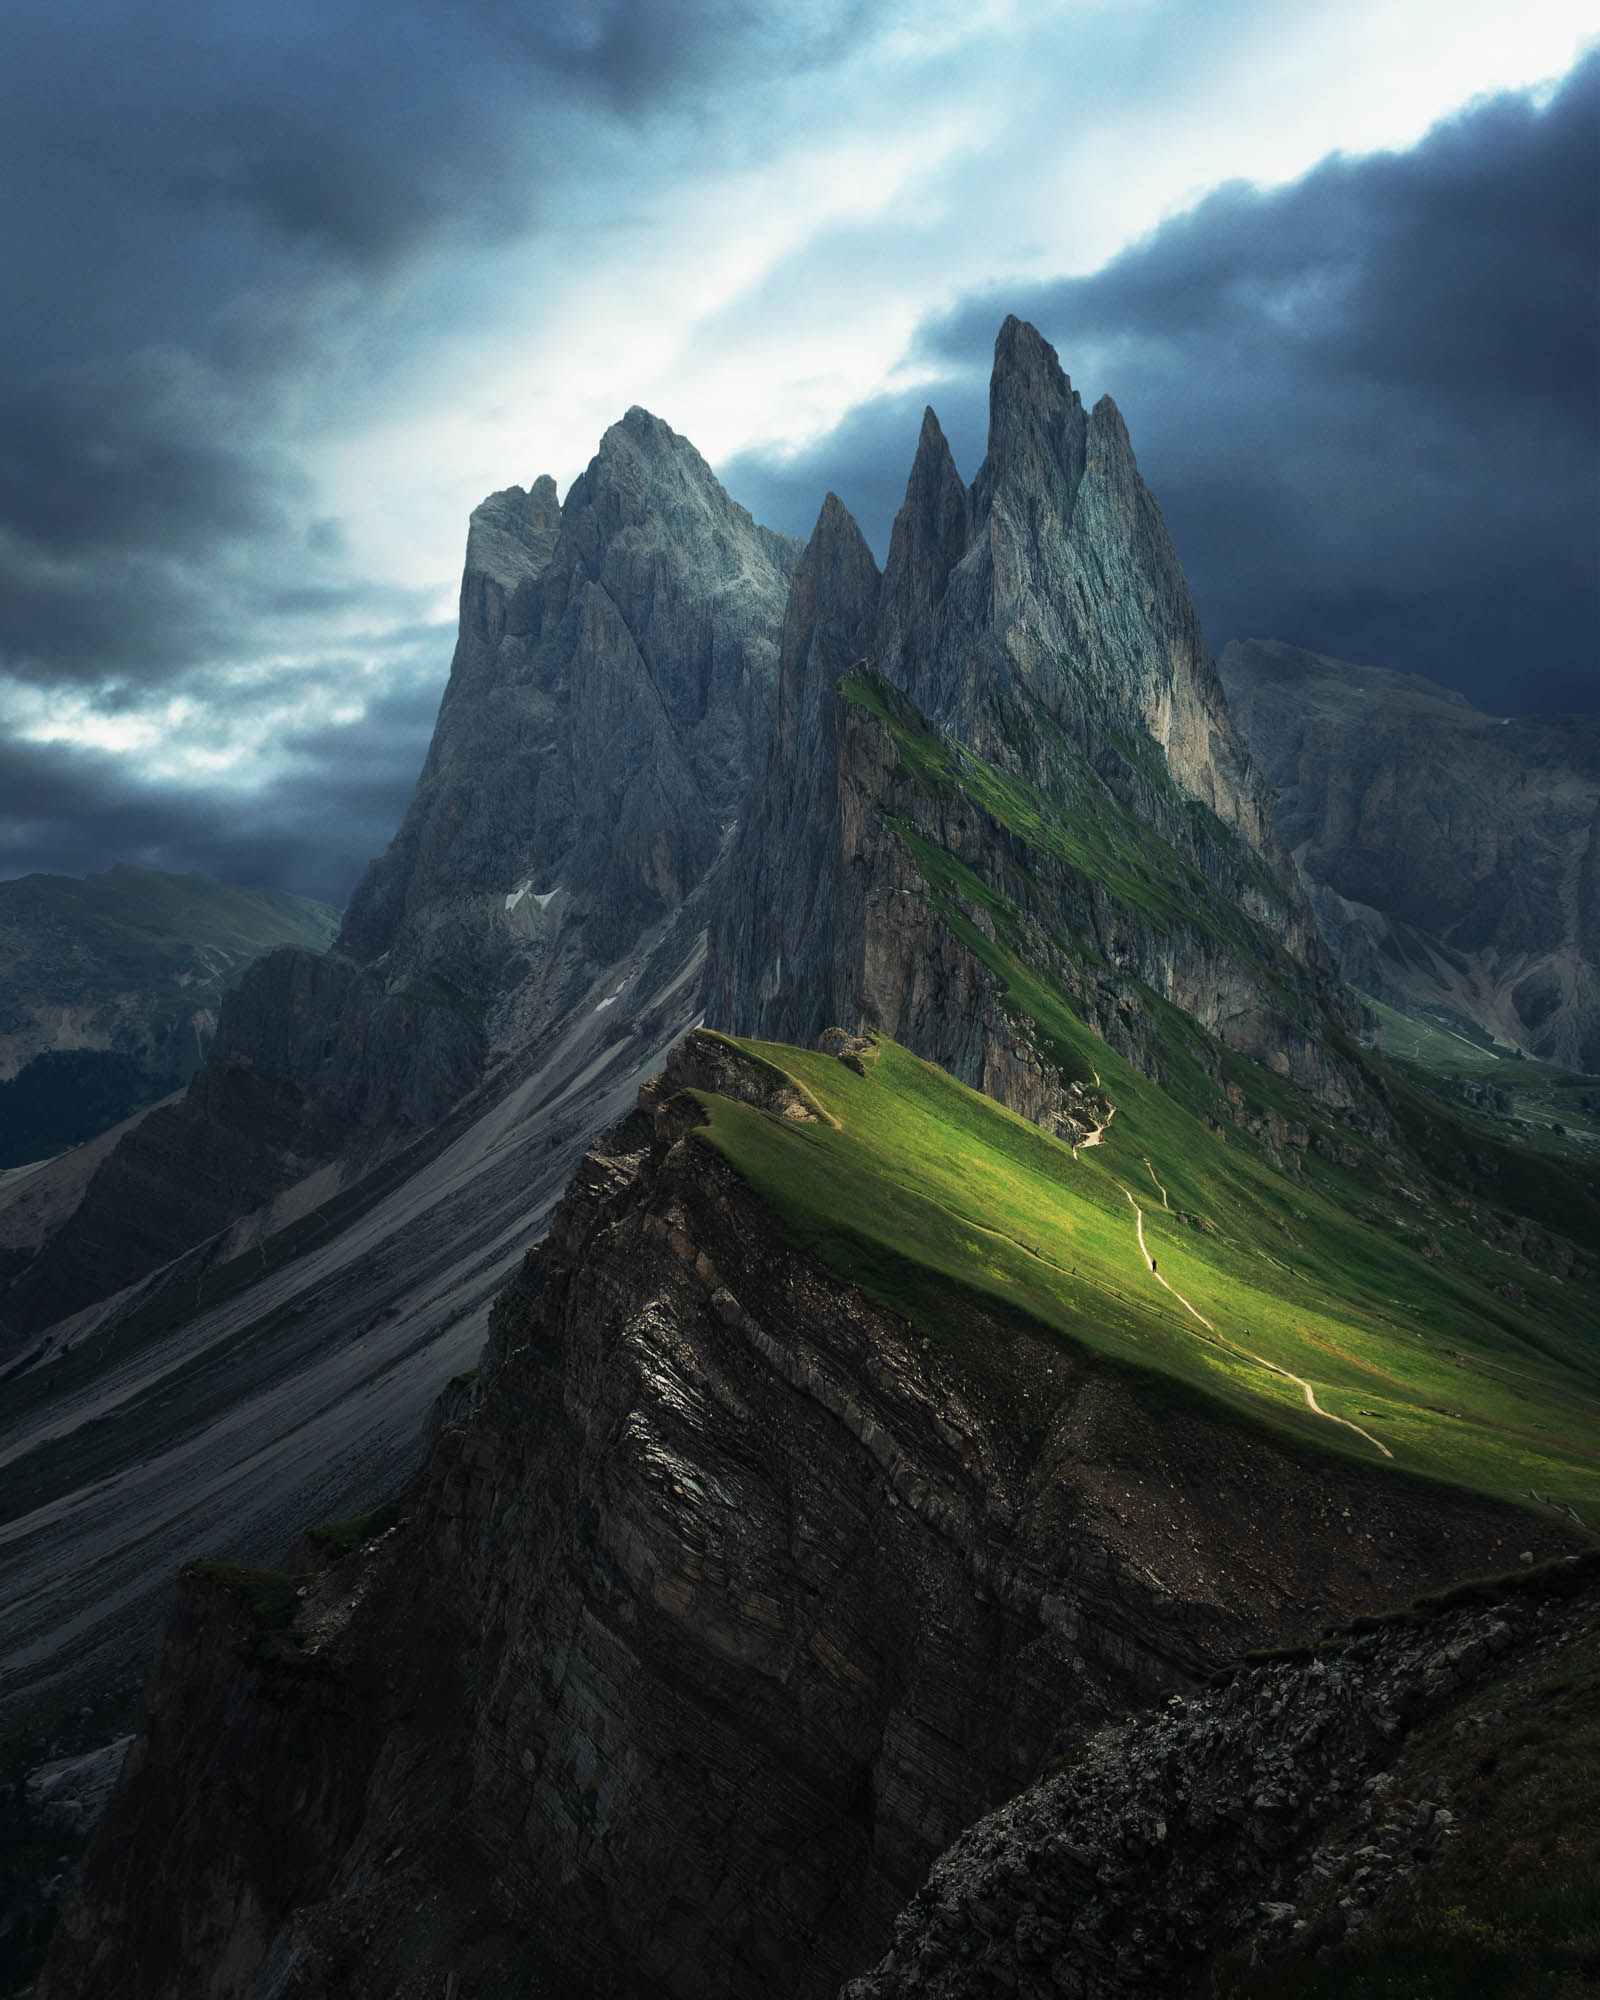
<point x="926" y="1193"/>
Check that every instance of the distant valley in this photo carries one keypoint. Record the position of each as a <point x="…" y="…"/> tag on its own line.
<point x="110" y="988"/>
<point x="1453" y="858"/>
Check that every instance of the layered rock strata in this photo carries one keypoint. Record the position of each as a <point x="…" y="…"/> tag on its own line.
<point x="1453" y="857"/>
<point x="1039" y="622"/>
<point x="731" y="1603"/>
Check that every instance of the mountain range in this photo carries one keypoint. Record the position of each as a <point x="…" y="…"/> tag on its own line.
<point x="1007" y="1287"/>
<point x="109" y="991"/>
<point x="1453" y="858"/>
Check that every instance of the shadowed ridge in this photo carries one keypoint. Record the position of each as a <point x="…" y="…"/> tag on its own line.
<point x="511" y="537"/>
<point x="775" y="944"/>
<point x="931" y="534"/>
<point x="1037" y="436"/>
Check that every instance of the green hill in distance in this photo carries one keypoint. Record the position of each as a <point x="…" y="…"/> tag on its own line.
<point x="109" y="990"/>
<point x="1402" y="1280"/>
<point x="1183" y="1255"/>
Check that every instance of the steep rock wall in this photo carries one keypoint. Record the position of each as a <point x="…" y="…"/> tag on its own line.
<point x="731" y="1603"/>
<point x="1040" y="620"/>
<point x="609" y="708"/>
<point x="1453" y="857"/>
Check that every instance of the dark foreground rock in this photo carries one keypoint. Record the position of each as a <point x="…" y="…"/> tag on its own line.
<point x="1261" y="1819"/>
<point x="730" y="1604"/>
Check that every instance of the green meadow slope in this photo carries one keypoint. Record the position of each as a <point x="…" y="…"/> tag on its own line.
<point x="1399" y="1278"/>
<point x="933" y="1199"/>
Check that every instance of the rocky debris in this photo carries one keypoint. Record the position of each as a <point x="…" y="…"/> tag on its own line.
<point x="1256" y="1817"/>
<point x="71" y="1792"/>
<point x="729" y="1601"/>
<point x="1479" y="892"/>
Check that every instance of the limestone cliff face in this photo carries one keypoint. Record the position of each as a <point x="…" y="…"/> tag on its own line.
<point x="609" y="710"/>
<point x="906" y="970"/>
<point x="1453" y="857"/>
<point x="728" y="1606"/>
<point x="1053" y="586"/>
<point x="778" y="937"/>
<point x="1039" y="621"/>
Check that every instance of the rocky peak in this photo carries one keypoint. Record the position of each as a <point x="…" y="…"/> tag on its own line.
<point x="601" y="725"/>
<point x="1040" y="621"/>
<point x="645" y="476"/>
<point x="930" y="536"/>
<point x="1026" y="487"/>
<point x="512" y="534"/>
<point x="829" y="619"/>
<point x="774" y="942"/>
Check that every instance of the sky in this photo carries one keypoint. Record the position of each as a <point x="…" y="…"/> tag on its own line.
<point x="290" y="288"/>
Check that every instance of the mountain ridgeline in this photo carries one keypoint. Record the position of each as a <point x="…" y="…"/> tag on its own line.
<point x="644" y="778"/>
<point x="609" y="705"/>
<point x="1473" y="894"/>
<point x="1035" y="635"/>
<point x="1019" y="1291"/>
<point x="109" y="990"/>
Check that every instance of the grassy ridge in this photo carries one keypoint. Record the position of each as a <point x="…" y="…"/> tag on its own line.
<point x="926" y="1192"/>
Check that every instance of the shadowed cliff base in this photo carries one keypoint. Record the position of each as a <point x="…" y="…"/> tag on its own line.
<point x="733" y="1599"/>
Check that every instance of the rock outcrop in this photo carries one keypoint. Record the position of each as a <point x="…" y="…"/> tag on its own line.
<point x="1053" y="671"/>
<point x="1260" y="1818"/>
<point x="1055" y="592"/>
<point x="728" y="1606"/>
<point x="609" y="710"/>
<point x="1453" y="858"/>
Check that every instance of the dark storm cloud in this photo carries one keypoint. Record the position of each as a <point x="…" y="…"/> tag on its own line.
<point x="203" y="209"/>
<point x="336" y="805"/>
<point x="1367" y="401"/>
<point x="122" y="492"/>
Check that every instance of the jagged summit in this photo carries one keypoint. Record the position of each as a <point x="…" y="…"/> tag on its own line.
<point x="512" y="534"/>
<point x="930" y="536"/>
<point x="602" y="720"/>
<point x="1038" y="620"/>
<point x="775" y="943"/>
<point x="842" y="1452"/>
<point x="1035" y="457"/>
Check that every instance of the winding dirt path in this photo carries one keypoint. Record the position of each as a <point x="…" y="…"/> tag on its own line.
<point x="1111" y="1112"/>
<point x="1094" y="1137"/>
<point x="1138" y="1227"/>
<point x="1260" y="1360"/>
<point x="1164" y="1202"/>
